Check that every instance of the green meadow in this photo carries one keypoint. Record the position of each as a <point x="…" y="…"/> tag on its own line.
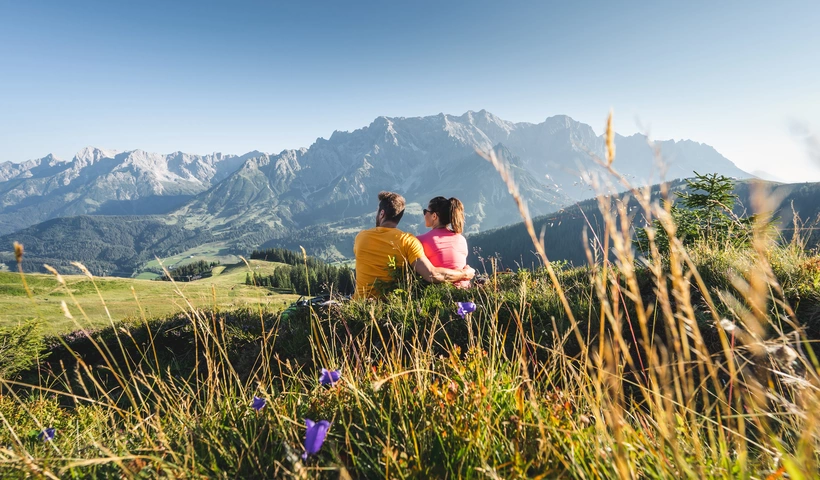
<point x="87" y="301"/>
<point x="212" y="252"/>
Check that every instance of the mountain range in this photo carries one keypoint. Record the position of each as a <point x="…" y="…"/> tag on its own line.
<point x="103" y="182"/>
<point x="325" y="193"/>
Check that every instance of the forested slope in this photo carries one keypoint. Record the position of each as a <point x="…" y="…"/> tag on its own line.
<point x="564" y="230"/>
<point x="107" y="245"/>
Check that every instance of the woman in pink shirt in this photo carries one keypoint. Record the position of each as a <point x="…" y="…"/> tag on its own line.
<point x="443" y="246"/>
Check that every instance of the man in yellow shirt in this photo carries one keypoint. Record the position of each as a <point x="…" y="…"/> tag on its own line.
<point x="378" y="248"/>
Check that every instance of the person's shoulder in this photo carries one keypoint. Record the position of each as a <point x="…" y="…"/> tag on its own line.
<point x="410" y="246"/>
<point x="425" y="235"/>
<point x="365" y="232"/>
<point x="408" y="239"/>
<point x="363" y="236"/>
<point x="405" y="235"/>
<point x="459" y="241"/>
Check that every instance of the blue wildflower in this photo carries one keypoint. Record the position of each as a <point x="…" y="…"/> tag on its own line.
<point x="258" y="403"/>
<point x="465" y="307"/>
<point x="315" y="436"/>
<point x="329" y="377"/>
<point x="47" y="434"/>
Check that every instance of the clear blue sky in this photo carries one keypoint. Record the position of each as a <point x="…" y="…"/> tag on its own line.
<point x="237" y="76"/>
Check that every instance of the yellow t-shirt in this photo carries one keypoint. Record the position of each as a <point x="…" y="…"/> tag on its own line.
<point x="374" y="248"/>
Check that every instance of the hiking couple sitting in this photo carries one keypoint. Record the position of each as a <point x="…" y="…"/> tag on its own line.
<point x="439" y="255"/>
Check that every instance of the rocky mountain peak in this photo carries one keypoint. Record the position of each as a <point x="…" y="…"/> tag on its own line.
<point x="90" y="155"/>
<point x="560" y="122"/>
<point x="495" y="128"/>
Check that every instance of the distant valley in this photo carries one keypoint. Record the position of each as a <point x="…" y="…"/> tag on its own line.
<point x="116" y="211"/>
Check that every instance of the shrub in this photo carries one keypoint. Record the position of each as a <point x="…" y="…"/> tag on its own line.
<point x="21" y="347"/>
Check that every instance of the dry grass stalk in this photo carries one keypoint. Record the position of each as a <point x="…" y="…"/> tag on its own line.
<point x="503" y="170"/>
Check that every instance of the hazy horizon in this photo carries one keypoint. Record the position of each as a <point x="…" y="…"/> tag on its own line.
<point x="210" y="77"/>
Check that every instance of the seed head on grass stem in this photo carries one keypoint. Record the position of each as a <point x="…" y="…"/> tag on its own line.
<point x="18" y="252"/>
<point x="610" y="140"/>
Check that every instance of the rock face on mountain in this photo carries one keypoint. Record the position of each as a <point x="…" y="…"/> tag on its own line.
<point x="256" y="197"/>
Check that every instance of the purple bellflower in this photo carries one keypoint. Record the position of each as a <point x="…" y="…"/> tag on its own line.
<point x="465" y="307"/>
<point x="47" y="434"/>
<point x="329" y="377"/>
<point x="258" y="403"/>
<point x="315" y="436"/>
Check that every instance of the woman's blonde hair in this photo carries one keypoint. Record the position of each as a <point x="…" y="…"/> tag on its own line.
<point x="450" y="212"/>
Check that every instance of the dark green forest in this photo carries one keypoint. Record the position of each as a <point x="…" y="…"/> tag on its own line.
<point x="301" y="274"/>
<point x="190" y="271"/>
<point x="106" y="245"/>
<point x="319" y="240"/>
<point x="283" y="255"/>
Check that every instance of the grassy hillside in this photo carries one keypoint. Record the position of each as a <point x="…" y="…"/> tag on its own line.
<point x="212" y="252"/>
<point x="564" y="230"/>
<point x="155" y="298"/>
